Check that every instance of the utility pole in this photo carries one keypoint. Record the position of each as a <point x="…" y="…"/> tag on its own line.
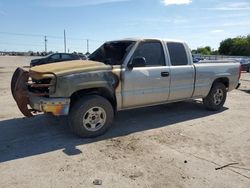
<point x="45" y="43"/>
<point x="65" y="47"/>
<point x="87" y="45"/>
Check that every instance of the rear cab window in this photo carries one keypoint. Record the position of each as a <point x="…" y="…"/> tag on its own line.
<point x="177" y="54"/>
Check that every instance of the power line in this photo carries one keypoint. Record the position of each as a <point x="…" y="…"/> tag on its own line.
<point x="21" y="44"/>
<point x="21" y="34"/>
<point x="74" y="42"/>
<point x="49" y="36"/>
<point x="31" y="44"/>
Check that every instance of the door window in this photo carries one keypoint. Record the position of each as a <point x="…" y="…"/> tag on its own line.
<point x="152" y="52"/>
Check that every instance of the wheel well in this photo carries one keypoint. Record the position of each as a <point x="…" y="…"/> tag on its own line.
<point x="223" y="80"/>
<point x="104" y="92"/>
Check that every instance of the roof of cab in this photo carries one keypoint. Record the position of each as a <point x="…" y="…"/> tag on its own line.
<point x="143" y="39"/>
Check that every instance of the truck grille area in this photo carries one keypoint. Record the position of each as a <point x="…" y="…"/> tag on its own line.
<point x="41" y="87"/>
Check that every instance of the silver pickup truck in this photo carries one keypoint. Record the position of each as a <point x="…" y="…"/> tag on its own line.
<point x="120" y="75"/>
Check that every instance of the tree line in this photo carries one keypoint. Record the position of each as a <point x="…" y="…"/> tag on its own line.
<point x="238" y="46"/>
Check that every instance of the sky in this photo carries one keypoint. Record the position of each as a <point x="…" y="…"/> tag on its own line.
<point x="24" y="23"/>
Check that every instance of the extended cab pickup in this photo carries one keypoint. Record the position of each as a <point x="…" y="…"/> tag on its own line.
<point x="121" y="75"/>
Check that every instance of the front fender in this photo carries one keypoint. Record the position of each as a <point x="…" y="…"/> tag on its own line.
<point x="67" y="85"/>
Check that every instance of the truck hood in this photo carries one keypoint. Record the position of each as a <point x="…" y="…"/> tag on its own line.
<point x="65" y="68"/>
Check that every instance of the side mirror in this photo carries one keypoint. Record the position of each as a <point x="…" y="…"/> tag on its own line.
<point x="137" y="62"/>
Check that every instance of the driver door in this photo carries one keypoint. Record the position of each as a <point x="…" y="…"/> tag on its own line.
<point x="148" y="84"/>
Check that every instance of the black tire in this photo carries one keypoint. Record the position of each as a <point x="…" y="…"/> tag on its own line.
<point x="248" y="69"/>
<point x="214" y="101"/>
<point x="81" y="111"/>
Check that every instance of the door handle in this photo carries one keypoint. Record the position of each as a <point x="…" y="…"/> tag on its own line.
<point x="164" y="74"/>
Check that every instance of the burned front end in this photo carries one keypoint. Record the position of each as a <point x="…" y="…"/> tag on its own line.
<point x="32" y="90"/>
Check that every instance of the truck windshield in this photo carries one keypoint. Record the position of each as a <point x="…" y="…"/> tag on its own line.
<point x="112" y="53"/>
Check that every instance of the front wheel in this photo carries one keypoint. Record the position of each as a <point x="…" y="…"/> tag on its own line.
<point x="216" y="97"/>
<point x="91" y="116"/>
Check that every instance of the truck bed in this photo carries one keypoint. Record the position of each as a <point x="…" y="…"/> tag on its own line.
<point x="208" y="71"/>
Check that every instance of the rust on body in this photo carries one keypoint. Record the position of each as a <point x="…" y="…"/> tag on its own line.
<point x="19" y="90"/>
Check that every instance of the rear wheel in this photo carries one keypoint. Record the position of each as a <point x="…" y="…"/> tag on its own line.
<point x="91" y="116"/>
<point x="248" y="69"/>
<point x="216" y="97"/>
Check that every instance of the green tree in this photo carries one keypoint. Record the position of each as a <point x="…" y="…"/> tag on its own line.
<point x="226" y="47"/>
<point x="239" y="46"/>
<point x="203" y="50"/>
<point x="215" y="52"/>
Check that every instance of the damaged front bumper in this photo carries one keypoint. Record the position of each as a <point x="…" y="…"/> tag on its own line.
<point x="56" y="106"/>
<point x="29" y="102"/>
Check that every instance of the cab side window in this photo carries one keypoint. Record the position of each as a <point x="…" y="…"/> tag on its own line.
<point x="152" y="52"/>
<point x="177" y="53"/>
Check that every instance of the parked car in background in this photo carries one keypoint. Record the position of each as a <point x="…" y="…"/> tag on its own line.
<point x="83" y="56"/>
<point x="197" y="59"/>
<point x="245" y="65"/>
<point x="56" y="57"/>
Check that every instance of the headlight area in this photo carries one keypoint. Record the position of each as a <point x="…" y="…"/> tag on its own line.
<point x="42" y="84"/>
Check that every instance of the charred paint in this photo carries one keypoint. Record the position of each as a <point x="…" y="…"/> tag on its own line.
<point x="66" y="85"/>
<point x="56" y="109"/>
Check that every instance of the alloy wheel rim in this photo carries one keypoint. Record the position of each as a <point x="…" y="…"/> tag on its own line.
<point x="94" y="119"/>
<point x="218" y="97"/>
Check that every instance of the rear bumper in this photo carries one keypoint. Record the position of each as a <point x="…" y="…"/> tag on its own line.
<point x="28" y="103"/>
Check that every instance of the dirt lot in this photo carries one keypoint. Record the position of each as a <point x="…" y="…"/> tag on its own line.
<point x="174" y="145"/>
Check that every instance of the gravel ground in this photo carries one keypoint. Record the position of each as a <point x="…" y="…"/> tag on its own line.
<point x="173" y="145"/>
